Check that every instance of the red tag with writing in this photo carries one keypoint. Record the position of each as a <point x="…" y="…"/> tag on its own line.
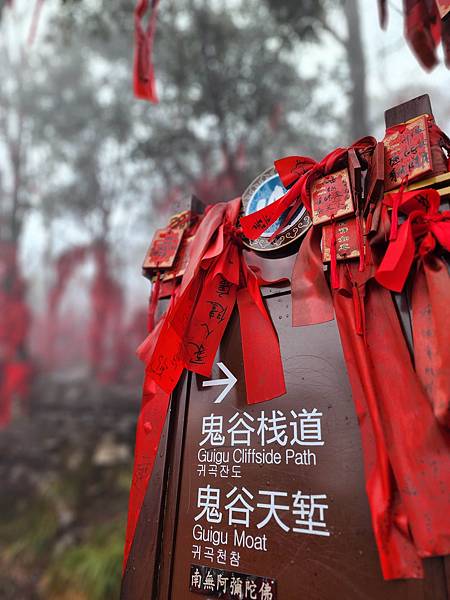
<point x="407" y="152"/>
<point x="347" y="244"/>
<point x="208" y="323"/>
<point x="331" y="197"/>
<point x="163" y="249"/>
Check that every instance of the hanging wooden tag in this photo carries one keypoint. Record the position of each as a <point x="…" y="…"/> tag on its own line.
<point x="407" y="153"/>
<point x="163" y="249"/>
<point x="346" y="240"/>
<point x="331" y="197"/>
<point x="181" y="261"/>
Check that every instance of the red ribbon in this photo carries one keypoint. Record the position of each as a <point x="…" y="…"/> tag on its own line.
<point x="422" y="30"/>
<point x="408" y="469"/>
<point x="397" y="554"/>
<point x="143" y="72"/>
<point x="155" y="404"/>
<point x="311" y="298"/>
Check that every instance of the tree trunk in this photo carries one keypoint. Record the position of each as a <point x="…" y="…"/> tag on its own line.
<point x="359" y="125"/>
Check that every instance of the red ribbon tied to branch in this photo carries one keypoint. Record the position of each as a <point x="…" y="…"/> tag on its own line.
<point x="143" y="71"/>
<point x="216" y="278"/>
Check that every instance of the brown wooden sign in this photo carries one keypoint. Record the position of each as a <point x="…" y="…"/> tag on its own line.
<point x="274" y="490"/>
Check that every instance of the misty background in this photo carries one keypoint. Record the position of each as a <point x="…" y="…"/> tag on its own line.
<point x="88" y="172"/>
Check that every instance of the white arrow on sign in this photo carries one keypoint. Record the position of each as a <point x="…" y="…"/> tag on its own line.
<point x="229" y="382"/>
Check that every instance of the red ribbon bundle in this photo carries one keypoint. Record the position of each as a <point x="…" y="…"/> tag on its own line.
<point x="405" y="450"/>
<point x="143" y="72"/>
<point x="216" y="278"/>
<point x="419" y="237"/>
<point x="189" y="333"/>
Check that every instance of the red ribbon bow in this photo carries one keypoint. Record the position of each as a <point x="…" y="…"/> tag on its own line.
<point x="424" y="226"/>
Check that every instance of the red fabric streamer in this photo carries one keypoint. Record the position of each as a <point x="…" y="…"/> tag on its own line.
<point x="446" y="40"/>
<point x="430" y="317"/>
<point x="154" y="407"/>
<point x="422" y="30"/>
<point x="143" y="75"/>
<point x="155" y="404"/>
<point x="405" y="432"/>
<point x="398" y="557"/>
<point x="105" y="326"/>
<point x="16" y="369"/>
<point x="311" y="298"/>
<point x="333" y="263"/>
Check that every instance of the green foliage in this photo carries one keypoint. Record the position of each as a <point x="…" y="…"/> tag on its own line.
<point x="29" y="532"/>
<point x="92" y="568"/>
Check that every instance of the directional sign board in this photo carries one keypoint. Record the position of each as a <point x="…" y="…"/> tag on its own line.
<point x="275" y="492"/>
<point x="228" y="383"/>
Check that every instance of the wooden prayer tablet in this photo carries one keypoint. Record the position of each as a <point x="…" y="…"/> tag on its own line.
<point x="163" y="249"/>
<point x="331" y="197"/>
<point x="181" y="260"/>
<point x="407" y="153"/>
<point x="264" y="190"/>
<point x="346" y="240"/>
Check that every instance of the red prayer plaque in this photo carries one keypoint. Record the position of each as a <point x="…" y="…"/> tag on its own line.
<point x="346" y="240"/>
<point x="331" y="197"/>
<point x="444" y="7"/>
<point x="163" y="249"/>
<point x="407" y="153"/>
